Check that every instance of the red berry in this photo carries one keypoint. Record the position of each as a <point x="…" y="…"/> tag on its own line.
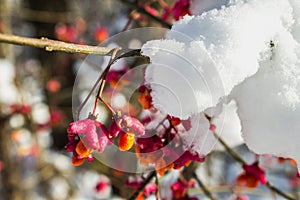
<point x="126" y="141"/>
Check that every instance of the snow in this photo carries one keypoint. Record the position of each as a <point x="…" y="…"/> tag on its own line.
<point x="247" y="49"/>
<point x="269" y="102"/>
<point x="171" y="85"/>
<point x="296" y="13"/>
<point x="228" y="126"/>
<point x="202" y="54"/>
<point x="199" y="139"/>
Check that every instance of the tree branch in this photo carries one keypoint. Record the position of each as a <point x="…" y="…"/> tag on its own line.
<point x="238" y="158"/>
<point x="55" y="45"/>
<point x="203" y="187"/>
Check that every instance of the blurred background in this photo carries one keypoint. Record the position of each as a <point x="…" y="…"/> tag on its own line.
<point x="36" y="98"/>
<point x="36" y="107"/>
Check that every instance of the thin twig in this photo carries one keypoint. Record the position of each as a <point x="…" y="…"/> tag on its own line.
<point x="203" y="187"/>
<point x="278" y="191"/>
<point x="157" y="189"/>
<point x="143" y="185"/>
<point x="55" y="45"/>
<point x="238" y="158"/>
<point x="103" y="81"/>
<point x="161" y="123"/>
<point x="100" y="79"/>
<point x="80" y="107"/>
<point x="233" y="153"/>
<point x="129" y="20"/>
<point x="221" y="189"/>
<point x="139" y="9"/>
<point x="122" y="54"/>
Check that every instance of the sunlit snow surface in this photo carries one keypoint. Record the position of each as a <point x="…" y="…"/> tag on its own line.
<point x="181" y="77"/>
<point x="253" y="46"/>
<point x="228" y="126"/>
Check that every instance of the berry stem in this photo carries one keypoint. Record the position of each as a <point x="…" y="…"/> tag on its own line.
<point x="103" y="81"/>
<point x="87" y="97"/>
<point x="131" y="53"/>
<point x="161" y="123"/>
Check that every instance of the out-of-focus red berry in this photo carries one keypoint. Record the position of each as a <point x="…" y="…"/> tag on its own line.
<point x="186" y="124"/>
<point x="212" y="127"/>
<point x="1" y="165"/>
<point x="56" y="117"/>
<point x="181" y="8"/>
<point x="134" y="182"/>
<point x="102" y="185"/>
<point x="178" y="10"/>
<point x="144" y="98"/>
<point x="252" y="175"/>
<point x="53" y="85"/>
<point x="20" y="108"/>
<point x="65" y="33"/>
<point x="150" y="10"/>
<point x="101" y="34"/>
<point x="179" y="189"/>
<point x="150" y="188"/>
<point x="174" y="120"/>
<point x="282" y="160"/>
